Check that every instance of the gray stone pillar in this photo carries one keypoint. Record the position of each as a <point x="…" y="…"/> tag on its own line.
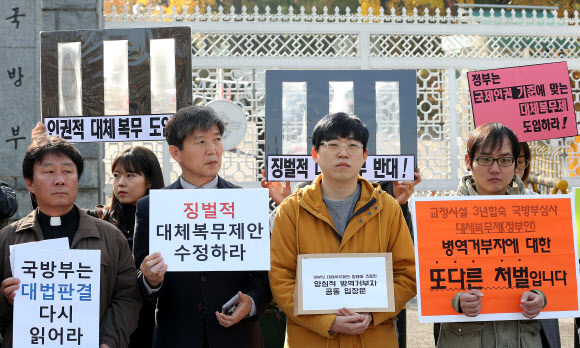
<point x="20" y="86"/>
<point x="20" y="23"/>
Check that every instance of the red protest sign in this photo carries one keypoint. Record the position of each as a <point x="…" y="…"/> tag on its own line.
<point x="535" y="101"/>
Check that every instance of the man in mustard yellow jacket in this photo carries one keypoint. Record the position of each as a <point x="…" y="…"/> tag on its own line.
<point x="340" y="212"/>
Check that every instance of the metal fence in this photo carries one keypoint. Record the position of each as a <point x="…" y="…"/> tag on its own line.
<point x="231" y="52"/>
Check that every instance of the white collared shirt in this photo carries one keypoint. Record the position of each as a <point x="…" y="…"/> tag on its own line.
<point x="209" y="185"/>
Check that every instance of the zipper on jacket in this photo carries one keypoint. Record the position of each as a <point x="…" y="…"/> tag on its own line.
<point x="364" y="207"/>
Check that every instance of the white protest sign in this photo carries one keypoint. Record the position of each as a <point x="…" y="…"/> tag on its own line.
<point x="361" y="282"/>
<point x="57" y="303"/>
<point x="56" y="243"/>
<point x="107" y="128"/>
<point x="376" y="168"/>
<point x="210" y="230"/>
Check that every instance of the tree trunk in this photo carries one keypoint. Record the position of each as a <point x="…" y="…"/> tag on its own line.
<point x="451" y="5"/>
<point x="237" y="5"/>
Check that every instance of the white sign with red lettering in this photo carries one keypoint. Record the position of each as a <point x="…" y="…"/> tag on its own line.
<point x="211" y="230"/>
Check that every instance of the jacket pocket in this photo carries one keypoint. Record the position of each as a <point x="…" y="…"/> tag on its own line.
<point x="530" y="333"/>
<point x="461" y="335"/>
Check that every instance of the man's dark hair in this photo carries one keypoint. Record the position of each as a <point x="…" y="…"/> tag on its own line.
<point x="339" y="125"/>
<point x="44" y="145"/>
<point x="528" y="156"/>
<point x="489" y="137"/>
<point x="189" y="119"/>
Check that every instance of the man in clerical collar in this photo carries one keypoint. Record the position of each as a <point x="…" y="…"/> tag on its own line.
<point x="52" y="168"/>
<point x="189" y="304"/>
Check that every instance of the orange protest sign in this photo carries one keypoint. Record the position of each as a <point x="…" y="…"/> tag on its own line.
<point x="502" y="246"/>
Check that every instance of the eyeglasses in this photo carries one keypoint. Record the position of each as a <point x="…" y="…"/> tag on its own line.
<point x="488" y="161"/>
<point x="352" y="147"/>
<point x="522" y="163"/>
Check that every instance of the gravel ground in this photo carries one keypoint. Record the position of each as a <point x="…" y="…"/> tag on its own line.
<point x="421" y="335"/>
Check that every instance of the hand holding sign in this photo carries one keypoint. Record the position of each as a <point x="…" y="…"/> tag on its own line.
<point x="277" y="191"/>
<point x="470" y="302"/>
<point x="531" y="304"/>
<point x="153" y="269"/>
<point x="404" y="189"/>
<point x="38" y="130"/>
<point x="9" y="287"/>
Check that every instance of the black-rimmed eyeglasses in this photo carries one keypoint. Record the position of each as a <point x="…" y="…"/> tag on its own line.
<point x="488" y="161"/>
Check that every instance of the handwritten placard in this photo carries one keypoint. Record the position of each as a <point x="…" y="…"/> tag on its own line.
<point x="501" y="246"/>
<point x="535" y="101"/>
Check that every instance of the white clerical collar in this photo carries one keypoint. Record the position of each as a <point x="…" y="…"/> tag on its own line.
<point x="210" y="185"/>
<point x="55" y="221"/>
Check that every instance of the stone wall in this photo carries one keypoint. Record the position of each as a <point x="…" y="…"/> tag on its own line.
<point x="20" y="86"/>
